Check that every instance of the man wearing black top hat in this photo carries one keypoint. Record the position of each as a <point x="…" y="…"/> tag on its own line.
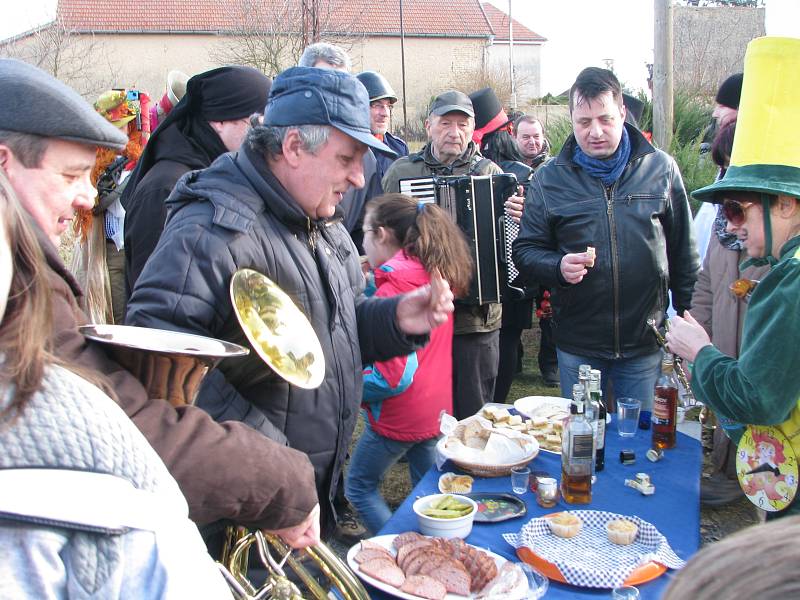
<point x="269" y="207"/>
<point x="211" y="119"/>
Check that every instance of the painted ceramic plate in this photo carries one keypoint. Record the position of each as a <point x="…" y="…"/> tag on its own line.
<point x="494" y="507"/>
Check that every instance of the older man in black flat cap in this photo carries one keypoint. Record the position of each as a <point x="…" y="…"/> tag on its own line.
<point x="269" y="207"/>
<point x="212" y="118"/>
<point x="47" y="155"/>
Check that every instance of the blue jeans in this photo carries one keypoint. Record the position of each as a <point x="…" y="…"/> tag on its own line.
<point x="630" y="377"/>
<point x="373" y="456"/>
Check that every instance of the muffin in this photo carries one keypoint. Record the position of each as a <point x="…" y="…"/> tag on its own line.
<point x="621" y="531"/>
<point x="565" y="524"/>
<point x="458" y="484"/>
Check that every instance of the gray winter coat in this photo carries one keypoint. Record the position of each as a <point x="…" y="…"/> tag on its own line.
<point x="235" y="215"/>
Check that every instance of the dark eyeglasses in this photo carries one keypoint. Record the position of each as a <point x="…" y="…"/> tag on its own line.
<point x="735" y="212"/>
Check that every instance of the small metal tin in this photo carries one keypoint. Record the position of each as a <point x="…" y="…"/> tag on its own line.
<point x="655" y="454"/>
<point x="627" y="457"/>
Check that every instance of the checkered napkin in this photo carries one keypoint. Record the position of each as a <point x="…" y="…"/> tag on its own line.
<point x="590" y="559"/>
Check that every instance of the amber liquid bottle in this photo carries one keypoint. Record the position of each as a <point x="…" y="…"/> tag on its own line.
<point x="665" y="406"/>
<point x="577" y="455"/>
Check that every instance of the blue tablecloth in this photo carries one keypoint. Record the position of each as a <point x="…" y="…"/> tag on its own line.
<point x="674" y="508"/>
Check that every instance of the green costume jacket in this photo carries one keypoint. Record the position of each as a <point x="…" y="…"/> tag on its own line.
<point x="761" y="387"/>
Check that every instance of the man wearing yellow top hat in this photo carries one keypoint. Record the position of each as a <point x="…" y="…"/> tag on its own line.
<point x="760" y="195"/>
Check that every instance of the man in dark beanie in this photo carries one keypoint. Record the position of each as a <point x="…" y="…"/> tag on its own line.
<point x="47" y="154"/>
<point x="212" y="118"/>
<point x="271" y="207"/>
<point x="727" y="100"/>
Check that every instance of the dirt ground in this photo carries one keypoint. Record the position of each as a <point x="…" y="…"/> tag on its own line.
<point x="715" y="523"/>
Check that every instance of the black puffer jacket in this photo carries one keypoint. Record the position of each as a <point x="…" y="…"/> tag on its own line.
<point x="235" y="215"/>
<point x="642" y="231"/>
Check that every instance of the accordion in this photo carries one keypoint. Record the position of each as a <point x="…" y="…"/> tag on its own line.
<point x="476" y="205"/>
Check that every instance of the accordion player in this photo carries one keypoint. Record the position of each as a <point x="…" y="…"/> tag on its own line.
<point x="477" y="205"/>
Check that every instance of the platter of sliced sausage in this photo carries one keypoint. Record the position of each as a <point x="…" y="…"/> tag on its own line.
<point x="410" y="565"/>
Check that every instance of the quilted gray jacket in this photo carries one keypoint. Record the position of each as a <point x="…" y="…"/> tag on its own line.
<point x="235" y="215"/>
<point x="71" y="425"/>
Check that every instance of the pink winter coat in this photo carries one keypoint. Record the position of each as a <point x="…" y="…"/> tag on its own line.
<point x="404" y="396"/>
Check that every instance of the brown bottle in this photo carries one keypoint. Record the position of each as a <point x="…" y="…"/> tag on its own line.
<point x="577" y="454"/>
<point x="665" y="406"/>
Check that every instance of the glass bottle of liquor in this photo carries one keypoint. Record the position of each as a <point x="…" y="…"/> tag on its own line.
<point x="599" y="423"/>
<point x="577" y="453"/>
<point x="665" y="405"/>
<point x="583" y="380"/>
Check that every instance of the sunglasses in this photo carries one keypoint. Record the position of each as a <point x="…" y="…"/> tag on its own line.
<point x="735" y="212"/>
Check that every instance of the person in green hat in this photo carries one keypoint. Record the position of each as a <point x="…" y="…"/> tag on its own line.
<point x="760" y="197"/>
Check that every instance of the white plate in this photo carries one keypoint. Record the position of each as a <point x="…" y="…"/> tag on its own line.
<point x="386" y="542"/>
<point x="534" y="406"/>
<point x="540" y="406"/>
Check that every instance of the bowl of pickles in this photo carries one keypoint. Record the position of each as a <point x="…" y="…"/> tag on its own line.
<point x="445" y="515"/>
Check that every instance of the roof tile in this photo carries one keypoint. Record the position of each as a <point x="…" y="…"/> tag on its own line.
<point x="499" y="22"/>
<point x="420" y="17"/>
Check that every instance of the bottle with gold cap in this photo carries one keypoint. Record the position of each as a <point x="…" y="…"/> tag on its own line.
<point x="665" y="405"/>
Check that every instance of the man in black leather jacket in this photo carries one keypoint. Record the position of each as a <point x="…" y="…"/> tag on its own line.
<point x="607" y="226"/>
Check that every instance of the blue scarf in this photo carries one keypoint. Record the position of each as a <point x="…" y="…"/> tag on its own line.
<point x="608" y="170"/>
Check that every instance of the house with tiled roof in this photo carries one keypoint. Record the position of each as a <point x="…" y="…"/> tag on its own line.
<point x="526" y="51"/>
<point x="444" y="42"/>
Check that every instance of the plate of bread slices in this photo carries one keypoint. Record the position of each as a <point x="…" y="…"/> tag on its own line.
<point x="547" y="416"/>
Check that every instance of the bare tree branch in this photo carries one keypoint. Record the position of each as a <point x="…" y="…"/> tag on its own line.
<point x="80" y="60"/>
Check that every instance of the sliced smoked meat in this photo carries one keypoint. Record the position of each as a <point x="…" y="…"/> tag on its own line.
<point x="404" y="538"/>
<point x="425" y="587"/>
<point x="384" y="570"/>
<point x="368" y="553"/>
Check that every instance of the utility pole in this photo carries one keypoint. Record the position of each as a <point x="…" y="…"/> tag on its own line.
<point x="403" y="69"/>
<point x="662" y="75"/>
<point x="511" y="58"/>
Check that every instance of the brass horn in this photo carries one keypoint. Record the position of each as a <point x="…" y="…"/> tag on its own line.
<point x="278" y="330"/>
<point x="172" y="365"/>
<point x="169" y="364"/>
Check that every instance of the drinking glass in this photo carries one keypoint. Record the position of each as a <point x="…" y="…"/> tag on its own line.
<point x="625" y="592"/>
<point x="628" y="416"/>
<point x="547" y="492"/>
<point x="519" y="479"/>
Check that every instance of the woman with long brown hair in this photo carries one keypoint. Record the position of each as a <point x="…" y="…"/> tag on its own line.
<point x="116" y="523"/>
<point x="408" y="244"/>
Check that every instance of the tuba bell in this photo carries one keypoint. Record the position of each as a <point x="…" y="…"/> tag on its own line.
<point x="172" y="365"/>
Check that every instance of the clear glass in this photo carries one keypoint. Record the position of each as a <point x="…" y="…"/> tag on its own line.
<point x="625" y="592"/>
<point x="537" y="583"/>
<point x="628" y="416"/>
<point x="547" y="493"/>
<point x="519" y="479"/>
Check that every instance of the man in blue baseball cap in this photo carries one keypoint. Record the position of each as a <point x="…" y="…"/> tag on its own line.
<point x="272" y="207"/>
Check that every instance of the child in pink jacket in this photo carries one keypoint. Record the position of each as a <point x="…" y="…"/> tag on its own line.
<point x="407" y="243"/>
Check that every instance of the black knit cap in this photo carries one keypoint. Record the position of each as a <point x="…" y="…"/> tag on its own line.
<point x="731" y="91"/>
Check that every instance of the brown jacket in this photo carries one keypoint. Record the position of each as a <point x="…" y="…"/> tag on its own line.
<point x="713" y="305"/>
<point x="226" y="470"/>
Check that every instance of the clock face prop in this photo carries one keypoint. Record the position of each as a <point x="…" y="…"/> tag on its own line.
<point x="767" y="468"/>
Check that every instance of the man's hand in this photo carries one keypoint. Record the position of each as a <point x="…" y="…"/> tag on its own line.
<point x="426" y="307"/>
<point x="514" y="205"/>
<point x="303" y="535"/>
<point x="573" y="266"/>
<point x="686" y="337"/>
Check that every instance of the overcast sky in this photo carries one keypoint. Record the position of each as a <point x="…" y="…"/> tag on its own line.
<point x="580" y="33"/>
<point x="584" y="33"/>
